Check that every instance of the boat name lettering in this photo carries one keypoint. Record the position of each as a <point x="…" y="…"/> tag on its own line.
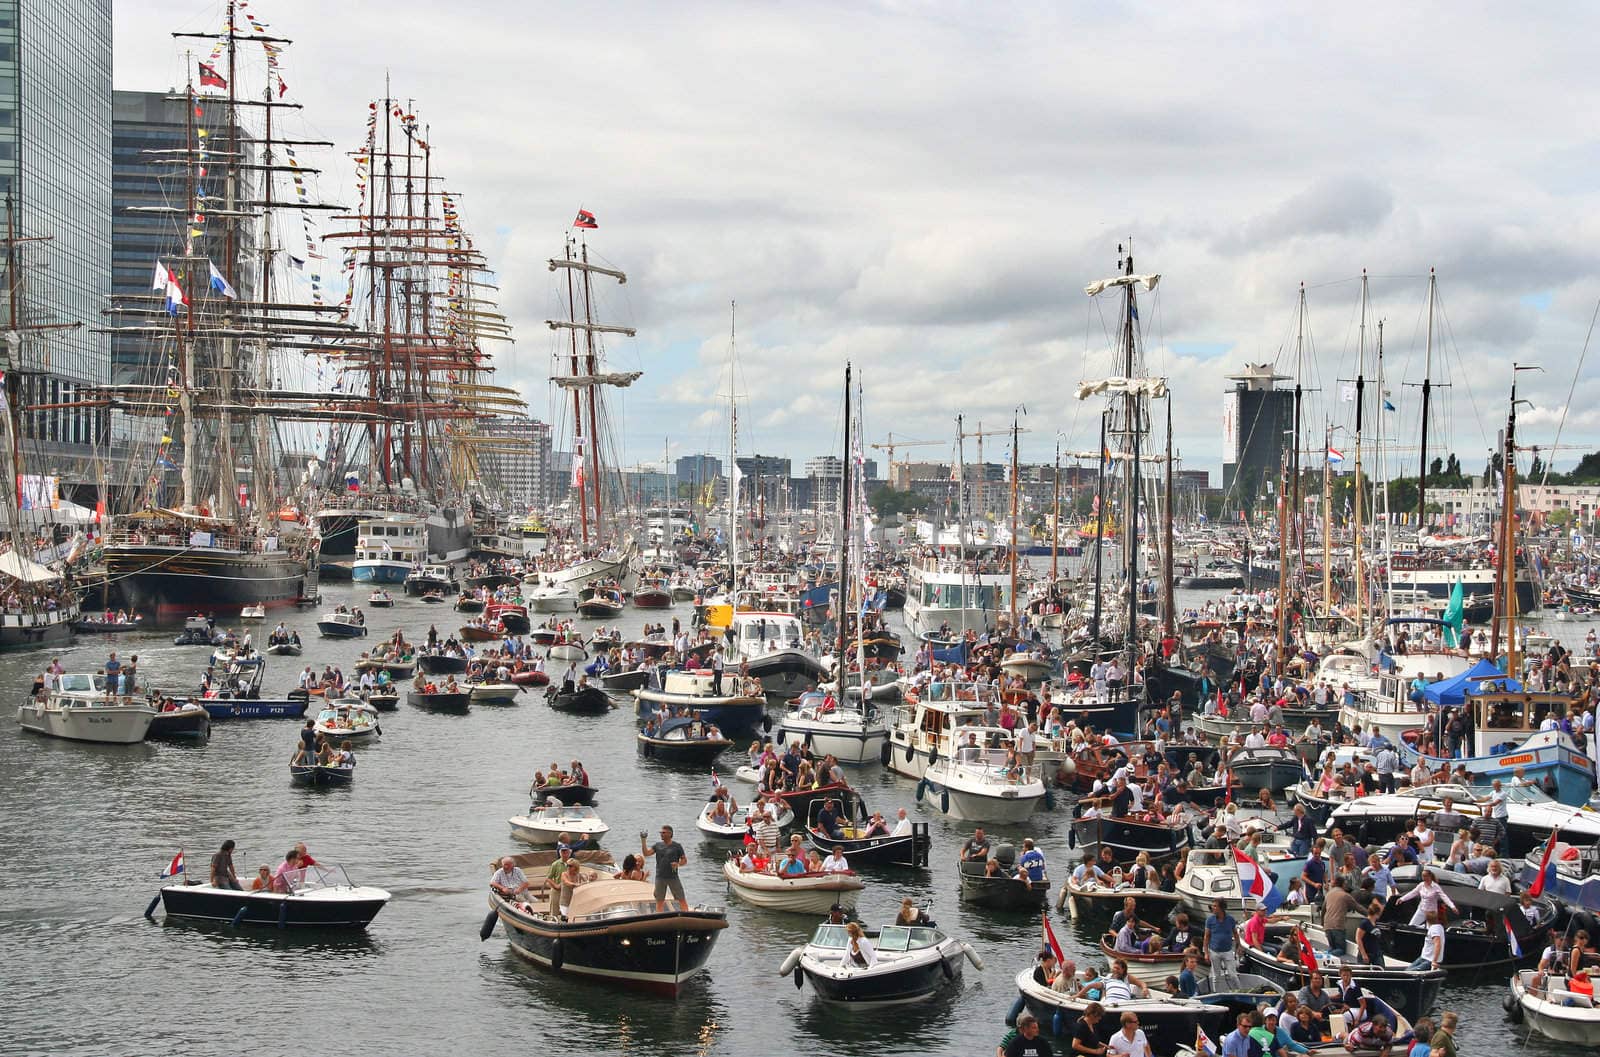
<point x="1512" y="761"/>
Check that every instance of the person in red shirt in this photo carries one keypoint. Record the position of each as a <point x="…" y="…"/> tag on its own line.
<point x="305" y="856"/>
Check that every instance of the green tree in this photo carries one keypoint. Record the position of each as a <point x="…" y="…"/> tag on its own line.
<point x="1588" y="470"/>
<point x="886" y="502"/>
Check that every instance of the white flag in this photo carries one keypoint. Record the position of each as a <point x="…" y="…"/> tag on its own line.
<point x="1347" y="393"/>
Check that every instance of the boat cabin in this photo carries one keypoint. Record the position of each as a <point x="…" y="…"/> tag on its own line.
<point x="1499" y="719"/>
<point x="394" y="539"/>
<point x="759" y="633"/>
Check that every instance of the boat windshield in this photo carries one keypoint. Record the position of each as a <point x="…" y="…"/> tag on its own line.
<point x="833" y="936"/>
<point x="906" y="938"/>
<point x="1527" y="794"/>
<point x="320" y="876"/>
<point x="77" y="683"/>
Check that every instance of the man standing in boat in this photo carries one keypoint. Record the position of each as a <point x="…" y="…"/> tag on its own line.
<point x="670" y="856"/>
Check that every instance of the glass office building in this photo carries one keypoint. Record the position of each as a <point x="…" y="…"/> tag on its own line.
<point x="55" y="167"/>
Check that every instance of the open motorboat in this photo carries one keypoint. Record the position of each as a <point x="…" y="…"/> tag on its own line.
<point x="341" y="625"/>
<point x="1091" y="894"/>
<point x="1166" y="1022"/>
<point x="174" y="718"/>
<point x="1163" y="837"/>
<point x="1530" y="815"/>
<point x="321" y="773"/>
<point x="545" y="824"/>
<point x="79" y="709"/>
<point x="320" y="896"/>
<point x="737" y="823"/>
<point x="1004" y="888"/>
<point x="1268" y="767"/>
<point x="847" y="732"/>
<point x="982" y="785"/>
<point x="442" y="660"/>
<point x="611" y="930"/>
<point x="1553" y="1009"/>
<point x="734" y="709"/>
<point x="683" y="739"/>
<point x="255" y="612"/>
<point x="598" y="602"/>
<point x="1413" y="992"/>
<point x="863" y="844"/>
<point x="806" y="893"/>
<point x="347" y="718"/>
<point x="493" y="692"/>
<point x="380" y="599"/>
<point x="906" y="963"/>
<point x="584" y="699"/>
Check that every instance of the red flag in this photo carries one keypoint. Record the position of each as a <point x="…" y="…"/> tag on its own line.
<point x="282" y="88"/>
<point x="1307" y="957"/>
<point x="210" y="78"/>
<point x="1227" y="785"/>
<point x="1050" y="938"/>
<point x="1536" y="889"/>
<point x="585" y="220"/>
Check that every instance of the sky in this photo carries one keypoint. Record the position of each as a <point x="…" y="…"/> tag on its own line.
<point x="923" y="190"/>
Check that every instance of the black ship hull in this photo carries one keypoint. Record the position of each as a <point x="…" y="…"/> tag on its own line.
<point x="649" y="952"/>
<point x="182" y="581"/>
<point x="262" y="908"/>
<point x="907" y="985"/>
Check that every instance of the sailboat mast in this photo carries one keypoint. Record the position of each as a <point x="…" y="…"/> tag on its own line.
<point x="577" y="405"/>
<point x="844" y="540"/>
<point x="1427" y="389"/>
<point x="1130" y="506"/>
<point x="733" y="459"/>
<point x="1506" y="567"/>
<point x="591" y="368"/>
<point x="1013" y="608"/>
<point x="1357" y="502"/>
<point x="1099" y="529"/>
<point x="1055" y="520"/>
<point x="1168" y="600"/>
<point x="1383" y="473"/>
<point x="186" y="340"/>
<point x="1327" y="522"/>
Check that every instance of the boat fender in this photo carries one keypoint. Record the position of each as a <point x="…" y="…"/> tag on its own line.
<point x="1058" y="1023"/>
<point x="777" y="736"/>
<point x="922" y="788"/>
<point x="944" y="967"/>
<point x="944" y="801"/>
<point x="378" y="730"/>
<point x="239" y="916"/>
<point x="883" y="754"/>
<point x="283" y="914"/>
<point x="1049" y="799"/>
<point x="487" y="928"/>
<point x="791" y="962"/>
<point x="799" y="978"/>
<point x="933" y="756"/>
<point x="150" y="911"/>
<point x="558" y="955"/>
<point x="766" y="723"/>
<point x="911" y="752"/>
<point x="1512" y="1007"/>
<point x="972" y="956"/>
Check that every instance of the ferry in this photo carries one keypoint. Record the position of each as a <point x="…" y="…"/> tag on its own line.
<point x="388" y="548"/>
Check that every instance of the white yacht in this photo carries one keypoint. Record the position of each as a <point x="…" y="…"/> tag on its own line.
<point x="79" y="709"/>
<point x="965" y="595"/>
<point x="977" y="785"/>
<point x="387" y="549"/>
<point x="930" y="729"/>
<point x="848" y="732"/>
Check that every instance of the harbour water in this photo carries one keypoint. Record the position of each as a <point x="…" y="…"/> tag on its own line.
<point x="86" y="830"/>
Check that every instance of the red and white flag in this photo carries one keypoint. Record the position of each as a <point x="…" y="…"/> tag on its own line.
<point x="585" y="220"/>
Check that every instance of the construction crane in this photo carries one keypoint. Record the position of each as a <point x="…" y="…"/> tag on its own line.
<point x="980" y="433"/>
<point x="892" y="444"/>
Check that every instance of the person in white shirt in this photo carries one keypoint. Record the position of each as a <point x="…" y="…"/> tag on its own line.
<point x="1424" y="837"/>
<point x="1432" y="945"/>
<point x="859" y="950"/>
<point x="836" y="863"/>
<point x="902" y="828"/>
<point x="1496" y="880"/>
<point x="1255" y="739"/>
<point x="1130" y="1041"/>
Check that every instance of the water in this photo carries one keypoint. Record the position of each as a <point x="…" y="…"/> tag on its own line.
<point x="86" y="831"/>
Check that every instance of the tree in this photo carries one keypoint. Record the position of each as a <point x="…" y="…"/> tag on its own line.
<point x="1435" y="468"/>
<point x="1588" y="469"/>
<point x="886" y="502"/>
<point x="1452" y="466"/>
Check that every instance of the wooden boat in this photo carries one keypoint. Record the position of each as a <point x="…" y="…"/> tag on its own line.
<point x="583" y="700"/>
<point x="1153" y="903"/>
<point x="623" y="682"/>
<point x="440" y="700"/>
<point x="101" y="626"/>
<point x="912" y="963"/>
<point x="469" y="604"/>
<point x="493" y="693"/>
<point x="433" y="597"/>
<point x="809" y="893"/>
<point x="480" y="632"/>
<point x="682" y="740"/>
<point x="321" y="774"/>
<point x="384" y="699"/>
<point x="1002" y="891"/>
<point x="652" y="594"/>
<point x="322" y="897"/>
<point x="1149" y="966"/>
<point x="662" y="950"/>
<point x="186" y="719"/>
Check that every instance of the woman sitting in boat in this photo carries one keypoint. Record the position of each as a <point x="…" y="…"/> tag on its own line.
<point x="345" y="757"/>
<point x="633" y="869"/>
<point x="263" y="880"/>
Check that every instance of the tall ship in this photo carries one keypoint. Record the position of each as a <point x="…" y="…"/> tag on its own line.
<point x="213" y="527"/>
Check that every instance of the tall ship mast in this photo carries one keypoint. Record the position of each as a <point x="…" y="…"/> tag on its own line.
<point x="421" y="300"/>
<point x="213" y="530"/>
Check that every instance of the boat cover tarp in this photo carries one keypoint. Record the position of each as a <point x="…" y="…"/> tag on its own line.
<point x="1453" y="691"/>
<point x="17" y="567"/>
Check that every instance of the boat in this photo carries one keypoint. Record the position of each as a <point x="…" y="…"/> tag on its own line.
<point x="808" y="893"/>
<point x="571" y="794"/>
<point x="530" y="677"/>
<point x="600" y="603"/>
<point x="910" y="963"/>
<point x="771" y="645"/>
<point x="682" y="739"/>
<point x="388" y="548"/>
<point x="909" y="849"/>
<point x="380" y="599"/>
<point x="253" y="613"/>
<point x="1127" y="836"/>
<point x="78" y="709"/>
<point x="1413" y="992"/>
<point x="963" y="595"/>
<point x="552" y="598"/>
<point x="733" y="710"/>
<point x="434" y="698"/>
<point x="511" y="616"/>
<point x="341" y="625"/>
<point x="738" y="824"/>
<point x="348" y="719"/>
<point x="978" y="785"/>
<point x="1267" y="767"/>
<point x="547" y="823"/>
<point x="321" y="773"/>
<point x="433" y="596"/>
<point x="1002" y="890"/>
<point x="622" y="682"/>
<point x="493" y="692"/>
<point x="441" y="661"/>
<point x="847" y="732"/>
<point x="1166" y="1022"/>
<point x="1476" y="931"/>
<point x="569" y="650"/>
<point x="583" y="700"/>
<point x="1531" y="815"/>
<point x="321" y="896"/>
<point x="652" y="593"/>
<point x="109" y="624"/>
<point x="1554" y="1009"/>
<point x="469" y="604"/>
<point x="180" y="719"/>
<point x="612" y="931"/>
<point x="430" y="579"/>
<point x="1081" y="896"/>
<point x="1211" y="874"/>
<point x="284" y="645"/>
<point x="198" y="631"/>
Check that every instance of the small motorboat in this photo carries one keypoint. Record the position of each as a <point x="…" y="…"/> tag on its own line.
<point x="255" y="612"/>
<point x="79" y="710"/>
<point x="341" y="625"/>
<point x="846" y="731"/>
<point x="1554" y="1009"/>
<point x="684" y="739"/>
<point x="435" y="698"/>
<point x="478" y="631"/>
<point x="657" y="951"/>
<point x="109" y="624"/>
<point x="433" y="597"/>
<point x="1413" y="992"/>
<point x="1090" y="895"/>
<point x="733" y="709"/>
<point x="348" y="718"/>
<point x="572" y="794"/>
<point x="511" y="616"/>
<point x="1003" y="889"/>
<point x="322" y="773"/>
<point x="552" y="599"/>
<point x="604" y="640"/>
<point x="198" y="631"/>
<point x="320" y="896"/>
<point x="382" y="698"/>
<point x="430" y="579"/>
<point x="737" y="823"/>
<point x="285" y="645"/>
<point x="978" y="785"/>
<point x="652" y="593"/>
<point x="493" y="692"/>
<point x="600" y="603"/>
<point x="908" y="963"/>
<point x="180" y="719"/>
<point x="569" y="650"/>
<point x="380" y="599"/>
<point x="547" y="823"/>
<point x="807" y="893"/>
<point x="583" y="700"/>
<point x="1172" y="1021"/>
<point x="438" y="661"/>
<point x="1269" y="767"/>
<point x="883" y="848"/>
<point x="469" y="604"/>
<point x="624" y="682"/>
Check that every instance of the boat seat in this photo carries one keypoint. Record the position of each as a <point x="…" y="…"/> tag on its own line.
<point x="1336" y="1026"/>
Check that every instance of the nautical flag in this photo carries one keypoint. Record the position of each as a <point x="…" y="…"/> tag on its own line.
<point x="1347" y="393"/>
<point x="1050" y="939"/>
<point x="1203" y="1043"/>
<point x="175" y="296"/>
<point x="1252" y="878"/>
<point x="175" y="867"/>
<point x="298" y="262"/>
<point x="1511" y="938"/>
<point x="1386" y="405"/>
<point x="1308" y="957"/>
<point x="165" y="463"/>
<point x="585" y="220"/>
<point x="1547" y="870"/>
<point x="221" y="285"/>
<point x="1335" y="456"/>
<point x="162" y="278"/>
<point x="210" y="78"/>
<point x="352" y="481"/>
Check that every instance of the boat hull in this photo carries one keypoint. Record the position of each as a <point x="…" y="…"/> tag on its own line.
<point x="175" y="581"/>
<point x="910" y="983"/>
<point x="812" y="894"/>
<point x="1000" y="892"/>
<point x="847" y="745"/>
<point x="329" y="908"/>
<point x="440" y="702"/>
<point x="669" y="750"/>
<point x="1547" y="755"/>
<point x="588" y="701"/>
<point x="380" y="572"/>
<point x="116" y="725"/>
<point x="976" y="807"/>
<point x="181" y="723"/>
<point x="675" y="947"/>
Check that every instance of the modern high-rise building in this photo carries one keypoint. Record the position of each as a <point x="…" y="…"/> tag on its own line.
<point x="1256" y="416"/>
<point x="55" y="171"/>
<point x="697" y="471"/>
<point x="520" y="471"/>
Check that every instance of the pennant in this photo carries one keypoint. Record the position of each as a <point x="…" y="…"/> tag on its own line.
<point x="210" y="78"/>
<point x="1547" y="871"/>
<point x="585" y="220"/>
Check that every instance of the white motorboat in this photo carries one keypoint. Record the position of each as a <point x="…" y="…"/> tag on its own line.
<point x="551" y="599"/>
<point x="348" y="718"/>
<point x="1033" y="667"/>
<point x="492" y="692"/>
<point x="1530" y="815"/>
<point x="926" y="729"/>
<point x="810" y="893"/>
<point x="570" y="652"/>
<point x="255" y="612"/>
<point x="738" y="822"/>
<point x="1556" y="1011"/>
<point x="545" y="825"/>
<point x="79" y="710"/>
<point x="341" y="625"/>
<point x="846" y="731"/>
<point x="908" y="963"/>
<point x="978" y="786"/>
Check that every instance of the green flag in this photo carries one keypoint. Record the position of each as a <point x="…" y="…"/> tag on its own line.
<point x="1455" y="617"/>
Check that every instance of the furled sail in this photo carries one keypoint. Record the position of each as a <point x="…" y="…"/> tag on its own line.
<point x="621" y="380"/>
<point x="1154" y="388"/>
<point x="1147" y="281"/>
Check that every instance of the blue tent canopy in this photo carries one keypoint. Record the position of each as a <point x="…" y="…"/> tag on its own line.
<point x="1453" y="691"/>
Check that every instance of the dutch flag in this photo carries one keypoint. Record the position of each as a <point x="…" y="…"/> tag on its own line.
<point x="175" y="867"/>
<point x="1511" y="938"/>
